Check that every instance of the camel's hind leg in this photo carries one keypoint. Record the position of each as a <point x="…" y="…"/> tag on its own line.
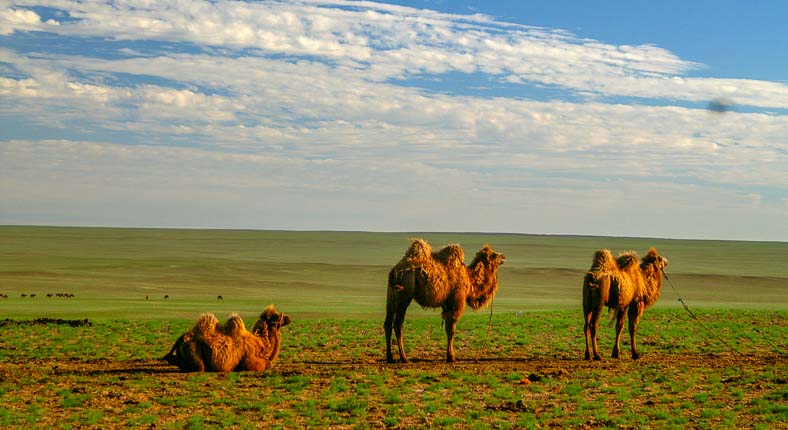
<point x="591" y="317"/>
<point x="634" y="312"/>
<point x="619" y="328"/>
<point x="398" y="298"/>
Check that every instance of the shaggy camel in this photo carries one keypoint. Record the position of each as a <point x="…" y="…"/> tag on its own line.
<point x="439" y="279"/>
<point x="214" y="347"/>
<point x="622" y="285"/>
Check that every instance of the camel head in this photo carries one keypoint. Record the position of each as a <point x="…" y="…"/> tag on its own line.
<point x="273" y="318"/>
<point x="654" y="259"/>
<point x="483" y="273"/>
<point x="490" y="259"/>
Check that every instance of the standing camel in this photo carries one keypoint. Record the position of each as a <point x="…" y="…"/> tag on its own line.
<point x="622" y="285"/>
<point x="439" y="280"/>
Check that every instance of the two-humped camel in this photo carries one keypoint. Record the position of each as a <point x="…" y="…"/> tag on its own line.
<point x="624" y="285"/>
<point x="439" y="280"/>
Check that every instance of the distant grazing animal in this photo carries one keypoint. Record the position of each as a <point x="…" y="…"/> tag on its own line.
<point x="622" y="285"/>
<point x="219" y="298"/>
<point x="439" y="279"/>
<point x="24" y="295"/>
<point x="49" y="295"/>
<point x="166" y="296"/>
<point x="32" y="296"/>
<point x="3" y="296"/>
<point x="146" y="297"/>
<point x="214" y="347"/>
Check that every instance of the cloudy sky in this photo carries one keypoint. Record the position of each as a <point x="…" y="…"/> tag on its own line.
<point x="649" y="119"/>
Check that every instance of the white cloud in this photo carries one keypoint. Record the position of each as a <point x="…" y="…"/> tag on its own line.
<point x="275" y="105"/>
<point x="386" y="42"/>
<point x="17" y="19"/>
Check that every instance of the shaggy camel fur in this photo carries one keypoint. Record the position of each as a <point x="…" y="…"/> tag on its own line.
<point x="439" y="279"/>
<point x="214" y="347"/>
<point x="622" y="285"/>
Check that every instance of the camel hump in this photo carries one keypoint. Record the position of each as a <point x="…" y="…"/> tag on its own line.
<point x="449" y="254"/>
<point x="419" y="250"/>
<point x="627" y="259"/>
<point x="206" y="324"/>
<point x="603" y="261"/>
<point x="234" y="326"/>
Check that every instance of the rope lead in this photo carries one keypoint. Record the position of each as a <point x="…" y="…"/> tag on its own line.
<point x="695" y="317"/>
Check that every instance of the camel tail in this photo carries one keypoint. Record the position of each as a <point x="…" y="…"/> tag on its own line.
<point x="170" y="357"/>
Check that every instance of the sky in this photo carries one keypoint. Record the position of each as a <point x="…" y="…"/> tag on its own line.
<point x="620" y="118"/>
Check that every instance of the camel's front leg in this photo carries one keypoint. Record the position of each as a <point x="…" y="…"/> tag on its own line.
<point x="619" y="328"/>
<point x="634" y="312"/>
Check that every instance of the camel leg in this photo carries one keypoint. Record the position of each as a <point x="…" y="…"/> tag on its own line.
<point x="594" y="326"/>
<point x="400" y="294"/>
<point x="619" y="328"/>
<point x="587" y="332"/>
<point x="450" y="324"/>
<point x="399" y="320"/>
<point x="388" y="325"/>
<point x="590" y="329"/>
<point x="634" y="312"/>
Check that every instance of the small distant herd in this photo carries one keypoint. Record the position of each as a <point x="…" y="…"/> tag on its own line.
<point x="34" y="295"/>
<point x="625" y="284"/>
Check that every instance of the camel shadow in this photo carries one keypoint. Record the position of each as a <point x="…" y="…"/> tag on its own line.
<point x="148" y="367"/>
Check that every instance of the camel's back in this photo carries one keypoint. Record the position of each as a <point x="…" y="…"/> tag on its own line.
<point x="628" y="280"/>
<point x="438" y="273"/>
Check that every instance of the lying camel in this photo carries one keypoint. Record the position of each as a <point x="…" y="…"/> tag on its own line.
<point x="214" y="347"/>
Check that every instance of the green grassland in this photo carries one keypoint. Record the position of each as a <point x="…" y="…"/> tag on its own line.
<point x="337" y="274"/>
<point x="520" y="368"/>
<point x="526" y="373"/>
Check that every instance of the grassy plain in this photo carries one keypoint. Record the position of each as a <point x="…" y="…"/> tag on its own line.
<point x="527" y="373"/>
<point x="337" y="274"/>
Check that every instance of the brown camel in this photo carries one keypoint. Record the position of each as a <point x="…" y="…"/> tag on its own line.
<point x="439" y="279"/>
<point x="214" y="347"/>
<point x="622" y="285"/>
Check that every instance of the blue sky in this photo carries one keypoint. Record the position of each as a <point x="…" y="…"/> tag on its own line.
<point x="556" y="118"/>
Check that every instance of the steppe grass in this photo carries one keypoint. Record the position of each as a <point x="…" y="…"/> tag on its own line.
<point x="331" y="374"/>
<point x="520" y="369"/>
<point x="126" y="273"/>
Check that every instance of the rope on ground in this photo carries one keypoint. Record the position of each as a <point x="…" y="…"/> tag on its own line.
<point x="695" y="317"/>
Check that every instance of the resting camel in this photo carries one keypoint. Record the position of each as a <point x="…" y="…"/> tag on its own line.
<point x="622" y="285"/>
<point x="214" y="347"/>
<point x="439" y="279"/>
